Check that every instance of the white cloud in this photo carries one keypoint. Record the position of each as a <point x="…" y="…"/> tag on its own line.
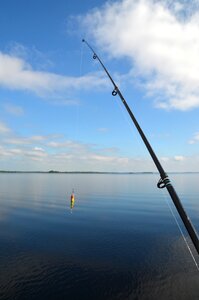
<point x="174" y="159"/>
<point x="17" y="140"/>
<point x="103" y="130"/>
<point x="195" y="138"/>
<point x="164" y="158"/>
<point x="73" y="146"/>
<point x="39" y="149"/>
<point x="3" y="128"/>
<point x="180" y="163"/>
<point x="16" y="73"/>
<point x="73" y="155"/>
<point x="44" y="152"/>
<point x="160" y="39"/>
<point x="179" y="157"/>
<point x="13" y="109"/>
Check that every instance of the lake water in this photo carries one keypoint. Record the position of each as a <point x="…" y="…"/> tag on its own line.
<point x="119" y="241"/>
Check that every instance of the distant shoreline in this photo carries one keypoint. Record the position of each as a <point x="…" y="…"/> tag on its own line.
<point x="88" y="172"/>
<point x="76" y="172"/>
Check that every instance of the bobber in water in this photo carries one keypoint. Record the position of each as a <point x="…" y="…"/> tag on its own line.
<point x="72" y="200"/>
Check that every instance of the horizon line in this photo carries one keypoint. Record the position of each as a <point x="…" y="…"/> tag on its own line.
<point x="95" y="172"/>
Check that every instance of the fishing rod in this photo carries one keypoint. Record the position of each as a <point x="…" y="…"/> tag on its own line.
<point x="164" y="178"/>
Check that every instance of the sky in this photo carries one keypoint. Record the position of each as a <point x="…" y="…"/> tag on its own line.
<point x="56" y="107"/>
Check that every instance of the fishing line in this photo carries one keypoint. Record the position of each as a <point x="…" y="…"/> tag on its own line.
<point x="81" y="60"/>
<point x="132" y="130"/>
<point x="180" y="229"/>
<point x="77" y="105"/>
<point x="164" y="181"/>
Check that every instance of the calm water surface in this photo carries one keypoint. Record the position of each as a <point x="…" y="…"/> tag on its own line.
<point x="119" y="241"/>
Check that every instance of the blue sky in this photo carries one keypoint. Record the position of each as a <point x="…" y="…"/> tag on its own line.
<point x="56" y="107"/>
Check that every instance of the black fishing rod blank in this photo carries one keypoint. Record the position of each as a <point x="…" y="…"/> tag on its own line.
<point x="164" y="179"/>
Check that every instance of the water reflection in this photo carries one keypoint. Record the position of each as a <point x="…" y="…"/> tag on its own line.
<point x="122" y="242"/>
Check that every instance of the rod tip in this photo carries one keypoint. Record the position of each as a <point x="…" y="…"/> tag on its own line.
<point x="83" y="40"/>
